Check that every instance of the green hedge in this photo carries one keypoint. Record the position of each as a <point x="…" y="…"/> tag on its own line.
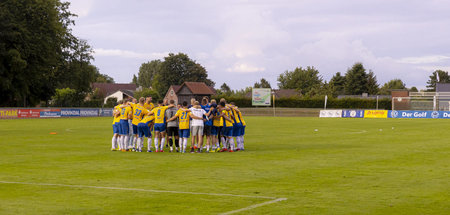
<point x="346" y="103"/>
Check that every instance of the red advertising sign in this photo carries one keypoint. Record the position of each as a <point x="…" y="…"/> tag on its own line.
<point x="8" y="113"/>
<point x="29" y="113"/>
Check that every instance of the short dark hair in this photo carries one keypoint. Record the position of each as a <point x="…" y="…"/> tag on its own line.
<point x="185" y="104"/>
<point x="222" y="104"/>
<point x="160" y="101"/>
<point x="171" y="102"/>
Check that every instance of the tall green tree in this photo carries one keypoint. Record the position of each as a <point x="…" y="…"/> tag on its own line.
<point x="147" y="73"/>
<point x="394" y="84"/>
<point x="178" y="68"/>
<point x="304" y="79"/>
<point x="337" y="83"/>
<point x="356" y="80"/>
<point x="39" y="53"/>
<point x="438" y="76"/>
<point x="372" y="83"/>
<point x="263" y="83"/>
<point x="225" y="89"/>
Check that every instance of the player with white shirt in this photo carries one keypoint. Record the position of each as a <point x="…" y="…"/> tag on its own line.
<point x="197" y="127"/>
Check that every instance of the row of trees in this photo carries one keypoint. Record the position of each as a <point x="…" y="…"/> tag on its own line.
<point x="39" y="53"/>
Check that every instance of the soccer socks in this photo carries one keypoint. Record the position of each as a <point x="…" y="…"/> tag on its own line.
<point x="138" y="143"/>
<point x="185" y="140"/>
<point x="156" y="144"/>
<point x="177" y="143"/>
<point x="149" y="144"/>
<point x="163" y="141"/>
<point x="114" y="142"/>
<point x="231" y="143"/>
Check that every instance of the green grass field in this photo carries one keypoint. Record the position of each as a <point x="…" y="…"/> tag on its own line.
<point x="347" y="166"/>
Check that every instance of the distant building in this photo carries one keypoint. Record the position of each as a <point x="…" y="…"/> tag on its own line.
<point x="188" y="90"/>
<point x="119" y="91"/>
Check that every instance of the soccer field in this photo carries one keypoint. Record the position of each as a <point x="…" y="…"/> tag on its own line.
<point x="290" y="166"/>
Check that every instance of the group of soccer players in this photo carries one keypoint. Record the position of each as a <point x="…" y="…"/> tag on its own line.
<point x="219" y="123"/>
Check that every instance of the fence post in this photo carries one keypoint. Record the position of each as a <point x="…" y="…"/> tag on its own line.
<point x="377" y="102"/>
<point x="326" y="98"/>
<point x="434" y="103"/>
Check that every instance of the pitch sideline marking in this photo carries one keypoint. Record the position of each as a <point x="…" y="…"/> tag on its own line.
<point x="274" y="199"/>
<point x="254" y="206"/>
<point x="358" y="132"/>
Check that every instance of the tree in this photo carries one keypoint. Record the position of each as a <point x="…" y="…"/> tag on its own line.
<point x="146" y="92"/>
<point x="413" y="89"/>
<point x="65" y="98"/>
<point x="103" y="78"/>
<point x="300" y="79"/>
<point x="437" y="76"/>
<point x="337" y="82"/>
<point x="394" y="84"/>
<point x="225" y="89"/>
<point x="147" y="73"/>
<point x="135" y="80"/>
<point x="38" y="52"/>
<point x="262" y="84"/>
<point x="177" y="69"/>
<point x="372" y="84"/>
<point x="356" y="80"/>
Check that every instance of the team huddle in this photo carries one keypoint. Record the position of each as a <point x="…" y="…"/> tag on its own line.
<point x="174" y="124"/>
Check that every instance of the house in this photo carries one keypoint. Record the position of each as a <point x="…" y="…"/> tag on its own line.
<point x="188" y="90"/>
<point x="119" y="91"/>
<point x="120" y="95"/>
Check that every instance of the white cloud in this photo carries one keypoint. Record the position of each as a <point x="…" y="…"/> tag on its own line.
<point x="245" y="68"/>
<point x="81" y="7"/>
<point x="424" y="59"/>
<point x="128" y="54"/>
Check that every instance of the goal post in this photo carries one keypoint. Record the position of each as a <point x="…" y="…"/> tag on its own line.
<point x="422" y="101"/>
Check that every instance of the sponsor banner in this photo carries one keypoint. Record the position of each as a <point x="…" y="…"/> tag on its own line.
<point x="50" y="113"/>
<point x="70" y="112"/>
<point x="419" y="114"/>
<point x="9" y="113"/>
<point x="330" y="113"/>
<point x="88" y="112"/>
<point x="353" y="113"/>
<point x="29" y="113"/>
<point x="375" y="113"/>
<point x="106" y="112"/>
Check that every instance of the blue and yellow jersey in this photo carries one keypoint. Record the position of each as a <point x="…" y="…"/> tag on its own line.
<point x="183" y="119"/>
<point x="147" y="119"/>
<point x="138" y="113"/>
<point x="240" y="118"/>
<point x="149" y="106"/>
<point x="236" y="119"/>
<point x="125" y="112"/>
<point x="216" y="119"/>
<point x="224" y="122"/>
<point x="159" y="113"/>
<point x="116" y="118"/>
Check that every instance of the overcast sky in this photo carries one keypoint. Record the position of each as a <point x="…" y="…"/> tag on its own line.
<point x="240" y="42"/>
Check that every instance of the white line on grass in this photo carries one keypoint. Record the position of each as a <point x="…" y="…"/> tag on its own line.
<point x="358" y="132"/>
<point x="274" y="199"/>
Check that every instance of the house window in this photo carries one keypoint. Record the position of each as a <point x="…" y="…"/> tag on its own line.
<point x="171" y="92"/>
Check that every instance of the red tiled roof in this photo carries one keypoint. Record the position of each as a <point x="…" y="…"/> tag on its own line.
<point x="198" y="88"/>
<point x="108" y="88"/>
<point x="176" y="87"/>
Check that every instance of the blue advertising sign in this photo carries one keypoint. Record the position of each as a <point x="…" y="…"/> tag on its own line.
<point x="353" y="113"/>
<point x="88" y="112"/>
<point x="50" y="113"/>
<point x="416" y="114"/>
<point x="106" y="112"/>
<point x="70" y="112"/>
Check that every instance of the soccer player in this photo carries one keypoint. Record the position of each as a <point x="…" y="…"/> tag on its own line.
<point x="139" y="111"/>
<point x="208" y="123"/>
<point x="183" y="115"/>
<point x="172" y="127"/>
<point x="116" y="128"/>
<point x="131" y="140"/>
<point x="160" y="125"/>
<point x="148" y="103"/>
<point x="144" y="130"/>
<point x="227" y="130"/>
<point x="241" y="137"/>
<point x="237" y="124"/>
<point x="216" y="126"/>
<point x="125" y="114"/>
<point x="197" y="127"/>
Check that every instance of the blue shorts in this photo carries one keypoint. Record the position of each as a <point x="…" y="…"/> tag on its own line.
<point x="243" y="130"/>
<point x="135" y="129"/>
<point x="143" y="130"/>
<point x="227" y="131"/>
<point x="214" y="130"/>
<point x="183" y="133"/>
<point x="161" y="127"/>
<point x="237" y="129"/>
<point x="124" y="127"/>
<point x="116" y="129"/>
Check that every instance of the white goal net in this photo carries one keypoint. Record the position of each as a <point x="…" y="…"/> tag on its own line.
<point x="422" y="101"/>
